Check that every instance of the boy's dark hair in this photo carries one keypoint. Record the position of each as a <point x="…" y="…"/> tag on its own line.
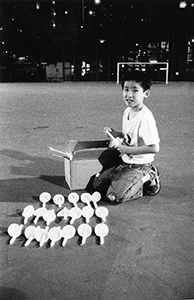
<point x="140" y="77"/>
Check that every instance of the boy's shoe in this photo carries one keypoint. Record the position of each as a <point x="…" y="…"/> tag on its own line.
<point x="153" y="186"/>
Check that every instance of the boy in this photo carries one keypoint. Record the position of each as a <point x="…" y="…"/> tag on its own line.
<point x="132" y="173"/>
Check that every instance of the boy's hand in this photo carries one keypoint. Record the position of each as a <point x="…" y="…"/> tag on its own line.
<point x="122" y="148"/>
<point x="115" y="143"/>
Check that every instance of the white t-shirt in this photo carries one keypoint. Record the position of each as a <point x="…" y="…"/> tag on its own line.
<point x="143" y="131"/>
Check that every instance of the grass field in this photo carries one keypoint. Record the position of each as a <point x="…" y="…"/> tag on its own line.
<point x="148" y="253"/>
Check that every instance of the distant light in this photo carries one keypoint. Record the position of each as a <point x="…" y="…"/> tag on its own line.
<point x="177" y="73"/>
<point x="85" y="68"/>
<point x="192" y="4"/>
<point x="53" y="1"/>
<point x="192" y="40"/>
<point x="2" y="42"/>
<point x="82" y="26"/>
<point x="21" y="58"/>
<point x="1" y="28"/>
<point x="66" y="12"/>
<point x="182" y="4"/>
<point x="54" y="25"/>
<point x="153" y="61"/>
<point x="97" y="1"/>
<point x="102" y="41"/>
<point x="37" y="5"/>
<point x="72" y="69"/>
<point x="91" y="12"/>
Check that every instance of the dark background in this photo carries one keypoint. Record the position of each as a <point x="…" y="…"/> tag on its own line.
<point x="47" y="32"/>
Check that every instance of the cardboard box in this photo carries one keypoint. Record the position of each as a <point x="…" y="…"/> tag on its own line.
<point x="81" y="161"/>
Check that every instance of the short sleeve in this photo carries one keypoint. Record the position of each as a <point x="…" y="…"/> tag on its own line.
<point x="148" y="131"/>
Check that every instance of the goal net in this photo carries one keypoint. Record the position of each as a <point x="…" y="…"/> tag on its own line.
<point x="157" y="70"/>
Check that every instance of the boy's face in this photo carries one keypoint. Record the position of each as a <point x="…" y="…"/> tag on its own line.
<point x="134" y="95"/>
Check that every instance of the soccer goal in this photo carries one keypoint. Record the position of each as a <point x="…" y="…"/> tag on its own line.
<point x="158" y="70"/>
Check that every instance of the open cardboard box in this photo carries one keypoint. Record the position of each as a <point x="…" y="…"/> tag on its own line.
<point x="81" y="161"/>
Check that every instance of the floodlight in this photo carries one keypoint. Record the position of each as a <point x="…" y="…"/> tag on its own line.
<point x="182" y="4"/>
<point x="37" y="5"/>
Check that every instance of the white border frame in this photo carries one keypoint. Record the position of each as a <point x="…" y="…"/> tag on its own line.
<point x="166" y="64"/>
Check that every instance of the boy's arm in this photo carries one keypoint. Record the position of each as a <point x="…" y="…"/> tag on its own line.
<point x="133" y="150"/>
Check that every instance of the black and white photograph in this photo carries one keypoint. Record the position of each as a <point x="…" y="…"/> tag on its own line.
<point x="96" y="149"/>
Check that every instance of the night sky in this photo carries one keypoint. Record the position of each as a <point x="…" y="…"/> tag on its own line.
<point x="77" y="30"/>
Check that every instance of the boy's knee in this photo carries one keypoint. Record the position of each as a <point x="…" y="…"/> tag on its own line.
<point x="126" y="188"/>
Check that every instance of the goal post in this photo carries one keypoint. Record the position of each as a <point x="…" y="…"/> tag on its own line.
<point x="155" y="68"/>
